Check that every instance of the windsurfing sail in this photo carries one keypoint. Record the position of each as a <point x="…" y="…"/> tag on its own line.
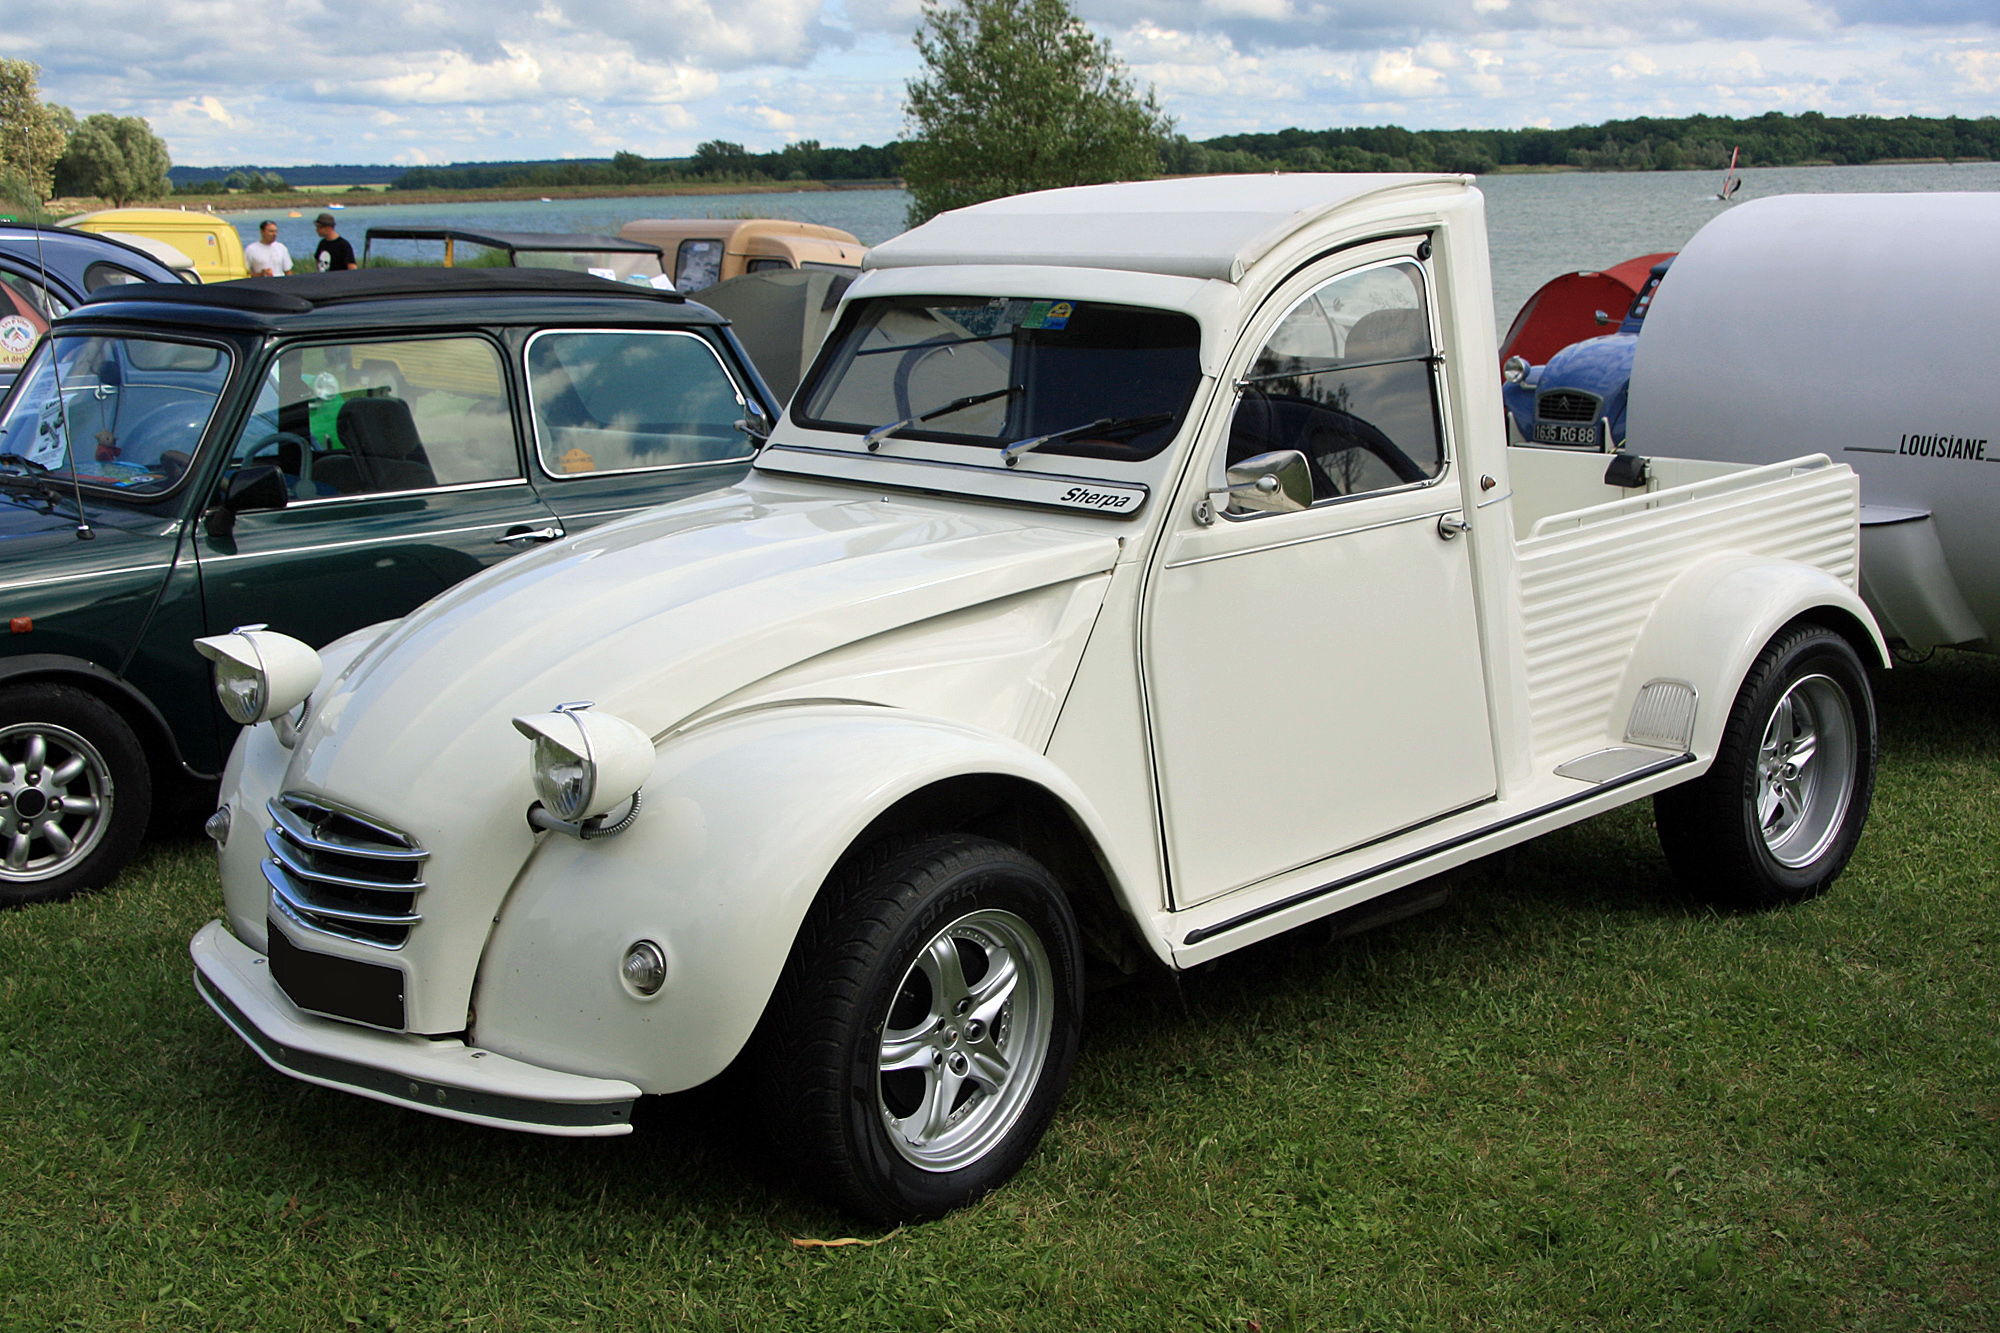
<point x="1731" y="182"/>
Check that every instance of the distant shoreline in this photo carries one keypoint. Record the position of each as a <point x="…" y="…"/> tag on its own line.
<point x="309" y="198"/>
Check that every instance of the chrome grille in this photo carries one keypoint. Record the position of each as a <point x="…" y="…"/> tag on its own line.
<point x="1566" y="405"/>
<point x="340" y="873"/>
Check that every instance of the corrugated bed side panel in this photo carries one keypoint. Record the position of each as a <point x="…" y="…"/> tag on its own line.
<point x="1588" y="592"/>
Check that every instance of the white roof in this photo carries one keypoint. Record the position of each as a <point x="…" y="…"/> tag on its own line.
<point x="1196" y="227"/>
<point x="158" y="249"/>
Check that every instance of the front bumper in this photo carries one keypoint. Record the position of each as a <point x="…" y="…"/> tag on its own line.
<point x="445" y="1078"/>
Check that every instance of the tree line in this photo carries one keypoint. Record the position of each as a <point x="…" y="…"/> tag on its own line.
<point x="1775" y="139"/>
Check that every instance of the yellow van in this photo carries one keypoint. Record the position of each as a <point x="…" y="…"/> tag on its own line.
<point x="207" y="240"/>
<point x="701" y="252"/>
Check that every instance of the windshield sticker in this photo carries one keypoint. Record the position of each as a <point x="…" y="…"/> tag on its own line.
<point x="1047" y="315"/>
<point x="50" y="448"/>
<point x="17" y="339"/>
<point x="576" y="460"/>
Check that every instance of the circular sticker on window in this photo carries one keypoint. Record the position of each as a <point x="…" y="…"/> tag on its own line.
<point x="17" y="339"/>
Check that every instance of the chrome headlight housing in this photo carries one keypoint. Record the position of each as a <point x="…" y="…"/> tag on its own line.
<point x="259" y="673"/>
<point x="585" y="763"/>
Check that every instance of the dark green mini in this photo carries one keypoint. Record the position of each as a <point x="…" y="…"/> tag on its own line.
<point x="315" y="454"/>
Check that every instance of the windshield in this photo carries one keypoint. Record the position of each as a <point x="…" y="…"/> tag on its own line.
<point x="130" y="414"/>
<point x="618" y="265"/>
<point x="995" y="371"/>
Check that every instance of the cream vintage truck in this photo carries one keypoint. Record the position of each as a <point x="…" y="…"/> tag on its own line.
<point x="1141" y="571"/>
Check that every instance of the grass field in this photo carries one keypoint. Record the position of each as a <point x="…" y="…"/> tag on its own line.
<point x="1571" y="1100"/>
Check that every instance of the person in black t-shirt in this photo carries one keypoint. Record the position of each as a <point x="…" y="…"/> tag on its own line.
<point x="332" y="253"/>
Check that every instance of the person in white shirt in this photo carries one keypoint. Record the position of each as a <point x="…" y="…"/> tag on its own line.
<point x="267" y="255"/>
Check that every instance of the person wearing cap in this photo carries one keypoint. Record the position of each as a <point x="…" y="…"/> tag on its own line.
<point x="332" y="253"/>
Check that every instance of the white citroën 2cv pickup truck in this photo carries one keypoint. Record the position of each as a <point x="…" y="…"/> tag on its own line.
<point x="1140" y="571"/>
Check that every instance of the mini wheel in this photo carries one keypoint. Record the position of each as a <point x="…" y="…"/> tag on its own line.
<point x="1776" y="817"/>
<point x="924" y="1029"/>
<point x="75" y="795"/>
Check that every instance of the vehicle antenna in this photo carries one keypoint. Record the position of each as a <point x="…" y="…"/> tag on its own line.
<point x="83" y="529"/>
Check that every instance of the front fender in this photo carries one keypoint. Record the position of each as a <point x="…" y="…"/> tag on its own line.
<point x="1713" y="621"/>
<point x="742" y="822"/>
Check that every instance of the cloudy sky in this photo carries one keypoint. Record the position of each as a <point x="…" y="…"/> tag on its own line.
<point x="282" y="82"/>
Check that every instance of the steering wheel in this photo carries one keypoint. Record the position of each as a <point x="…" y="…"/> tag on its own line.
<point x="906" y="366"/>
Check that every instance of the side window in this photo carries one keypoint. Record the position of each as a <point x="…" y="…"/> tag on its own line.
<point x="612" y="401"/>
<point x="103" y="273"/>
<point x="766" y="265"/>
<point x="698" y="264"/>
<point x="1346" y="380"/>
<point x="38" y="298"/>
<point x="364" y="418"/>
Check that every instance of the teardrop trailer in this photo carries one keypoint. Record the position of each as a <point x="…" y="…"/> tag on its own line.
<point x="1140" y="572"/>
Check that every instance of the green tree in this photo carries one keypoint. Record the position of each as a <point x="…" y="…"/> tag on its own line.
<point x="116" y="158"/>
<point x="1019" y="95"/>
<point x="31" y="134"/>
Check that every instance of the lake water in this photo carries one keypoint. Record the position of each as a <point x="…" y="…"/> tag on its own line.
<point x="1538" y="225"/>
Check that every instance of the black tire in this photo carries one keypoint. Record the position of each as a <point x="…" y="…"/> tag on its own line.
<point x="75" y="793"/>
<point x="1759" y="829"/>
<point x="985" y="1050"/>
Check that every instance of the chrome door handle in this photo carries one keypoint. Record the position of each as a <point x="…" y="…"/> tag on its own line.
<point x="1450" y="525"/>
<point x="527" y="536"/>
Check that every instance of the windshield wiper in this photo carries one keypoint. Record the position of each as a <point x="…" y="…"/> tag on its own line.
<point x="1011" y="455"/>
<point x="34" y="483"/>
<point x="873" y="439"/>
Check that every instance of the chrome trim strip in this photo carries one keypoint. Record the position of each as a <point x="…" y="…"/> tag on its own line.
<point x="1315" y="537"/>
<point x="291" y="914"/>
<point x="288" y="894"/>
<point x="398" y="539"/>
<point x="282" y="852"/>
<point x="160" y="567"/>
<point x="315" y="501"/>
<point x="304" y="835"/>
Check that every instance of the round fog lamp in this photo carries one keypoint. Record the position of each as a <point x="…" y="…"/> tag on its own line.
<point x="644" y="969"/>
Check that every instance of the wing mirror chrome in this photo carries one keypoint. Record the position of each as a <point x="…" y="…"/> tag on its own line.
<point x="1279" y="482"/>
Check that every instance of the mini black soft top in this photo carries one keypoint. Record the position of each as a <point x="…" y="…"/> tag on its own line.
<point x="295" y="296"/>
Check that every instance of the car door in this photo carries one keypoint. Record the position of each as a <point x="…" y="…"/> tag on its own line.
<point x="625" y="419"/>
<point x="401" y="473"/>
<point x="1314" y="679"/>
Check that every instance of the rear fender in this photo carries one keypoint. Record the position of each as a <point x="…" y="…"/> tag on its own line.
<point x="741" y="824"/>
<point x="1717" y="617"/>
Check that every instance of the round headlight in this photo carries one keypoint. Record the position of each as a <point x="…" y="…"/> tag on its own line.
<point x="585" y="763"/>
<point x="241" y="690"/>
<point x="564" y="779"/>
<point x="1515" y="370"/>
<point x="260" y="673"/>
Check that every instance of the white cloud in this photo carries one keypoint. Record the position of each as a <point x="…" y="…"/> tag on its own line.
<point x="284" y="81"/>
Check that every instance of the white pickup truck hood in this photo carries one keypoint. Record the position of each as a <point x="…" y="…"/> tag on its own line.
<point x="653" y="619"/>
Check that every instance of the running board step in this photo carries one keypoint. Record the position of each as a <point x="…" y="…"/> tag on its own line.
<point x="1620" y="761"/>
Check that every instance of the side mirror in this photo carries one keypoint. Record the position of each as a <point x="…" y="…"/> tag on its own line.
<point x="1279" y="482"/>
<point x="247" y="488"/>
<point x="1602" y="318"/>
<point x="756" y="425"/>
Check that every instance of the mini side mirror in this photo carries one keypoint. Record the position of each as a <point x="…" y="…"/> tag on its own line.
<point x="247" y="488"/>
<point x="1602" y="318"/>
<point x="1279" y="482"/>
